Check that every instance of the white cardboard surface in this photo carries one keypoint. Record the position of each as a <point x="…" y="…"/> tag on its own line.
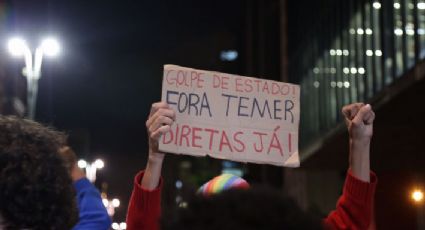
<point x="231" y="117"/>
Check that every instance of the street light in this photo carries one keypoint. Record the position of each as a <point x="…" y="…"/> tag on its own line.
<point x="91" y="168"/>
<point x="417" y="195"/>
<point x="120" y="226"/>
<point x="18" y="47"/>
<point x="111" y="205"/>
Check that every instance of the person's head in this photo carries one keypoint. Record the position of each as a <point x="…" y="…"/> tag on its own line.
<point x="36" y="190"/>
<point x="230" y="203"/>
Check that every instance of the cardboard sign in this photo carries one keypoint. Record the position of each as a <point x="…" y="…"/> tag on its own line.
<point x="231" y="117"/>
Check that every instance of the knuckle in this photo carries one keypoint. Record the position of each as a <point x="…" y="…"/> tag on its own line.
<point x="355" y="123"/>
<point x="161" y="111"/>
<point x="151" y="130"/>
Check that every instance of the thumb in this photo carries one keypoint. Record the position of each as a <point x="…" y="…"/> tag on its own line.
<point x="362" y="115"/>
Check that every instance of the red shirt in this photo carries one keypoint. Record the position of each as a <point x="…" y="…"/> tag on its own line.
<point x="353" y="210"/>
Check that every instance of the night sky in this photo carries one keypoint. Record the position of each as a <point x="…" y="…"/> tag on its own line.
<point x="110" y="70"/>
<point x="99" y="90"/>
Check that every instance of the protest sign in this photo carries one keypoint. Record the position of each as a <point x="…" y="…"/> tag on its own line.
<point x="231" y="117"/>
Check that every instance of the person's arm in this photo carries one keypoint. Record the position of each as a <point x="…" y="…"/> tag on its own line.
<point x="92" y="212"/>
<point x="359" y="119"/>
<point x="355" y="206"/>
<point x="144" y="208"/>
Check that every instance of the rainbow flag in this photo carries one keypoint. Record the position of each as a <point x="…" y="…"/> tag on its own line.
<point x="223" y="182"/>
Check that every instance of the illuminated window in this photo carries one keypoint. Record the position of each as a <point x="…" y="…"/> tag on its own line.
<point x="397" y="5"/>
<point x="398" y="40"/>
<point x="421" y="28"/>
<point x="377" y="5"/>
<point x="409" y="29"/>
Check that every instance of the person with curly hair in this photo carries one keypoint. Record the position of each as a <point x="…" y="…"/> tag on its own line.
<point x="36" y="190"/>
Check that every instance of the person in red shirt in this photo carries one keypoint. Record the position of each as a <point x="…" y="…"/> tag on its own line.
<point x="354" y="207"/>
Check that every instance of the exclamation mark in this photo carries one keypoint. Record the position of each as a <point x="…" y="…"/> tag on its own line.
<point x="290" y="142"/>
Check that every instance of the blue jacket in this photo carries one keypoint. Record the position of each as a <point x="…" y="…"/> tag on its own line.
<point x="92" y="212"/>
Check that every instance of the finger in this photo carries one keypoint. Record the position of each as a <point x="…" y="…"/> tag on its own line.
<point x="161" y="112"/>
<point x="163" y="129"/>
<point x="367" y="115"/>
<point x="156" y="106"/>
<point x="370" y="118"/>
<point x="351" y="110"/>
<point x="160" y="121"/>
<point x="348" y="110"/>
<point x="361" y="115"/>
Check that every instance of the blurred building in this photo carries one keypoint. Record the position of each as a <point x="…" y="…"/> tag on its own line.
<point x="359" y="51"/>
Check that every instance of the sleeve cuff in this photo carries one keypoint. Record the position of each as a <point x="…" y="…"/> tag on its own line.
<point x="145" y="197"/>
<point x="82" y="184"/>
<point x="360" y="190"/>
<point x="138" y="183"/>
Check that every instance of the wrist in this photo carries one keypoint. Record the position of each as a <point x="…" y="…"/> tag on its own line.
<point x="77" y="174"/>
<point x="153" y="169"/>
<point x="359" y="151"/>
<point x="360" y="140"/>
<point x="360" y="143"/>
<point x="154" y="162"/>
<point x="155" y="157"/>
<point x="360" y="159"/>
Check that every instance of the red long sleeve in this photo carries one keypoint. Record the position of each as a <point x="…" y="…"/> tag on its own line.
<point x="353" y="211"/>
<point x="144" y="208"/>
<point x="355" y="206"/>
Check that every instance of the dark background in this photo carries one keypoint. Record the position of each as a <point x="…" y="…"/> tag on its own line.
<point x="99" y="90"/>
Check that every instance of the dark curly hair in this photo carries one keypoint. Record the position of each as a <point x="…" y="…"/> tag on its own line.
<point x="36" y="190"/>
<point x="248" y="209"/>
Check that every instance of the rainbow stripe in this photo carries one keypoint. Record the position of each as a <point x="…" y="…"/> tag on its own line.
<point x="223" y="182"/>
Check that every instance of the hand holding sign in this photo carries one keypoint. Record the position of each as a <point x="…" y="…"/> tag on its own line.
<point x="160" y="119"/>
<point x="231" y="117"/>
